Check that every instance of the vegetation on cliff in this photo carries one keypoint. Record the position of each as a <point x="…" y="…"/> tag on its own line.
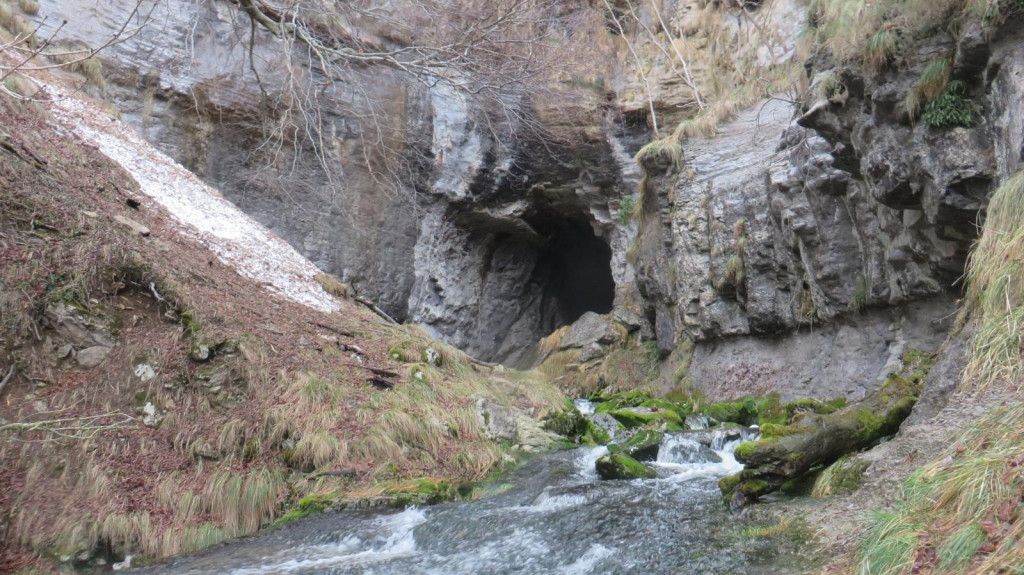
<point x="963" y="512"/>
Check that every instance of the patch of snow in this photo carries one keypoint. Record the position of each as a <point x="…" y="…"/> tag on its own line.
<point x="236" y="239"/>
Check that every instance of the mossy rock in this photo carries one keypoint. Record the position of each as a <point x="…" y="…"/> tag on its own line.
<point x="308" y="505"/>
<point x="800" y="406"/>
<point x="621" y="466"/>
<point x="643" y="446"/>
<point x="632" y="417"/>
<point x="743" y="411"/>
<point x="595" y="435"/>
<point x="607" y="403"/>
<point x="422" y="492"/>
<point x="569" y="423"/>
<point x="842" y="477"/>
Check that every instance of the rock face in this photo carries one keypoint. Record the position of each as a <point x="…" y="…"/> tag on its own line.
<point x="450" y="216"/>
<point x="789" y="230"/>
<point x="783" y="242"/>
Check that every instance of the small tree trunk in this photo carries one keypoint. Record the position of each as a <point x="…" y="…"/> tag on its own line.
<point x="787" y="452"/>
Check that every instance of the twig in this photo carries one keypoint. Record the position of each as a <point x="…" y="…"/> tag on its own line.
<point x="376" y="371"/>
<point x="332" y="329"/>
<point x="373" y="307"/>
<point x="7" y="378"/>
<point x="73" y="427"/>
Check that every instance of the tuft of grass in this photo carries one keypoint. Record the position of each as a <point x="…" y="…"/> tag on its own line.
<point x="627" y="210"/>
<point x="934" y="79"/>
<point x="664" y="155"/>
<point x="315" y="450"/>
<point x="333" y="285"/>
<point x="995" y="291"/>
<point x="30" y="7"/>
<point x="72" y="56"/>
<point x="889" y="545"/>
<point x="22" y="30"/>
<point x="956" y="552"/>
<point x="197" y="538"/>
<point x="243" y="503"/>
<point x="881" y="48"/>
<point x="767" y="531"/>
<point x="860" y="294"/>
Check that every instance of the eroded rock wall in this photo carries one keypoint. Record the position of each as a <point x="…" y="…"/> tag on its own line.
<point x="775" y="242"/>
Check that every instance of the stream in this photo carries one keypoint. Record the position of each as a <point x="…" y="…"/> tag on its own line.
<point x="554" y="515"/>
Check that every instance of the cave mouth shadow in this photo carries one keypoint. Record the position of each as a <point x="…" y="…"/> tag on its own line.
<point x="576" y="266"/>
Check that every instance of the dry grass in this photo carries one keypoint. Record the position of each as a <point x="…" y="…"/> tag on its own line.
<point x="963" y="512"/>
<point x="30" y="7"/>
<point x="995" y="291"/>
<point x="333" y="285"/>
<point x="878" y="32"/>
<point x="292" y="386"/>
<point x="72" y="56"/>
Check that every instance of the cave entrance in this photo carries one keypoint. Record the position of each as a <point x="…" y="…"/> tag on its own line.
<point x="577" y="266"/>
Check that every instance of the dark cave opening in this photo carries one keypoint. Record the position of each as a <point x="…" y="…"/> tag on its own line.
<point x="576" y="265"/>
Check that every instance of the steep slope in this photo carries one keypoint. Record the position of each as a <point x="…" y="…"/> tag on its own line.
<point x="174" y="372"/>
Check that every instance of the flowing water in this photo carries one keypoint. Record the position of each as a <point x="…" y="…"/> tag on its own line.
<point x="554" y="516"/>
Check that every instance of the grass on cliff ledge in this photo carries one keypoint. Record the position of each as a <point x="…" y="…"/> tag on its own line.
<point x="964" y="513"/>
<point x="877" y="33"/>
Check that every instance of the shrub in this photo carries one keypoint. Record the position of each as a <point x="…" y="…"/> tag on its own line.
<point x="951" y="109"/>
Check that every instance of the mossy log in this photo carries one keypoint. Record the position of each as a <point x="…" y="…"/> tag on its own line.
<point x="788" y="452"/>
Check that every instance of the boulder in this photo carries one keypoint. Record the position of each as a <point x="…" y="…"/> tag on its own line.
<point x="589" y="329"/>
<point x="621" y="466"/>
<point x="91" y="357"/>
<point x="643" y="446"/>
<point x="498" y="421"/>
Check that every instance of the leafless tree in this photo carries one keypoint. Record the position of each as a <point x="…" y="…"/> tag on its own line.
<point x="492" y="51"/>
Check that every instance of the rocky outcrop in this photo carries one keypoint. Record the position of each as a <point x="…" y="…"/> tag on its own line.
<point x="792" y="223"/>
<point x="489" y="223"/>
<point x="778" y="244"/>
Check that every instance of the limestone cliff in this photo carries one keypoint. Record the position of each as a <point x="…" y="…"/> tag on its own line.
<point x="817" y="236"/>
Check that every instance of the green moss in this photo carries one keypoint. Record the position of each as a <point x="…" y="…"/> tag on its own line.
<point x="753" y="487"/>
<point x="569" y="423"/>
<point x="188" y="320"/>
<point x="642" y="446"/>
<point x="772" y="430"/>
<point x="842" y="477"/>
<point x="621" y="466"/>
<point x="595" y="435"/>
<point x="398" y="354"/>
<point x="422" y="492"/>
<point x="743" y="411"/>
<point x="799" y="406"/>
<point x="728" y="485"/>
<point x="630" y="419"/>
<point x="745" y="451"/>
<point x="308" y="505"/>
<point x="770" y="410"/>
<point x="607" y="403"/>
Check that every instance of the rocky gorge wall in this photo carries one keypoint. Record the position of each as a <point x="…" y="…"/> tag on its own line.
<point x="803" y="248"/>
<point x="426" y="200"/>
<point x="773" y="240"/>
